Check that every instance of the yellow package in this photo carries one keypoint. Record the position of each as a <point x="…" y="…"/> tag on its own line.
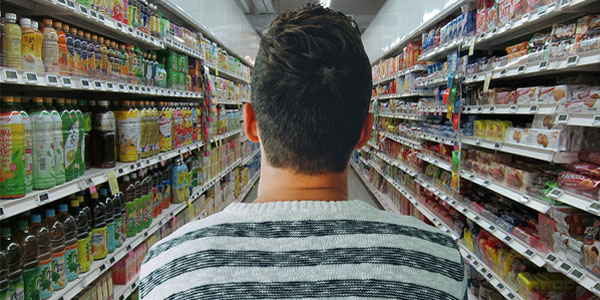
<point x="507" y="263"/>
<point x="526" y="283"/>
<point x="545" y="284"/>
<point x="478" y="128"/>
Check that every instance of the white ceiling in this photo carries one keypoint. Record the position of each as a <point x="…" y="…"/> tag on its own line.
<point x="260" y="13"/>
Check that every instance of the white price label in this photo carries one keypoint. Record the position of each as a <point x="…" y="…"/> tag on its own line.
<point x="66" y="81"/>
<point x="31" y="77"/>
<point x="572" y="60"/>
<point x="85" y="83"/>
<point x="83" y="10"/>
<point x="533" y="108"/>
<point x="11" y="75"/>
<point x="521" y="69"/>
<point x="562" y="119"/>
<point x="52" y="79"/>
<point x="596" y="120"/>
<point x="512" y="108"/>
<point x="543" y="64"/>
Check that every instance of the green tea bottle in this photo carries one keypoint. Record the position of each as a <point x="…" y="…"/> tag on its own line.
<point x="27" y="144"/>
<point x="42" y="235"/>
<point x="83" y="247"/>
<point x="12" y="162"/>
<point x="57" y="241"/>
<point x="71" y="255"/>
<point x="31" y="264"/>
<point x="87" y="128"/>
<point x="43" y="142"/>
<point x="15" y="264"/>
<point x="69" y="139"/>
<point x="79" y="158"/>
<point x="99" y="250"/>
<point x="59" y="146"/>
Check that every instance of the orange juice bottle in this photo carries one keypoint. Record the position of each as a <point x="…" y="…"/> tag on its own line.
<point x="70" y="49"/>
<point x="61" y="41"/>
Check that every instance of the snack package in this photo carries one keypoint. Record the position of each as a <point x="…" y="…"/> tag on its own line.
<point x="518" y="178"/>
<point x="481" y="21"/>
<point x="553" y="94"/>
<point x="505" y="10"/>
<point x="537" y="42"/>
<point x="492" y="16"/>
<point x="526" y="95"/>
<point x="516" y="135"/>
<point x="579" y="184"/>
<point x="519" y="8"/>
<point x="504" y="97"/>
<point x="587" y="169"/>
<point x="554" y="139"/>
<point x="590" y="156"/>
<point x="546" y="122"/>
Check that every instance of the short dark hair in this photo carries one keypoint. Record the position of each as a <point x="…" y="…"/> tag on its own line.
<point x="311" y="89"/>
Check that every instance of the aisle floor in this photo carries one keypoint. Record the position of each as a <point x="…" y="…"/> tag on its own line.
<point x="356" y="190"/>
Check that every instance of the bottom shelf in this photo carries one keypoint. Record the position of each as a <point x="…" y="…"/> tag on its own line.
<point x="249" y="186"/>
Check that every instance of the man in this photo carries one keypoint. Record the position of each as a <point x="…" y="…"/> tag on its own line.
<point x="301" y="238"/>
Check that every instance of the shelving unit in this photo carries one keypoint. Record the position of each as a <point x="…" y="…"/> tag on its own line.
<point x="525" y="71"/>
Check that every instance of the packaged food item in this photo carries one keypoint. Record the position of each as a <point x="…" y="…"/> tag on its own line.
<point x="492" y="16"/>
<point x="553" y="94"/>
<point x="505" y="8"/>
<point x="546" y="122"/>
<point x="590" y="156"/>
<point x="579" y="184"/>
<point x="526" y="95"/>
<point x="519" y="8"/>
<point x="516" y="135"/>
<point x="519" y="178"/>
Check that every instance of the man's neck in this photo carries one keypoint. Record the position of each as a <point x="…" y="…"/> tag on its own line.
<point x="286" y="185"/>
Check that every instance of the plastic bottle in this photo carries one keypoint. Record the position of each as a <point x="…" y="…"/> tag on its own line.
<point x="81" y="144"/>
<point x="124" y="63"/>
<point x="27" y="144"/>
<point x="58" y="145"/>
<point x="83" y="249"/>
<point x="118" y="219"/>
<point x="77" y="59"/>
<point x="114" y="67"/>
<point x="11" y="42"/>
<point x="87" y="128"/>
<point x="70" y="136"/>
<point x="61" y="42"/>
<point x="103" y="137"/>
<point x="145" y="132"/>
<point x="90" y="57"/>
<point x="12" y="164"/>
<point x="187" y="124"/>
<point x="83" y="54"/>
<point x="3" y="275"/>
<point x="128" y="198"/>
<point x="28" y="38"/>
<point x="70" y="49"/>
<point x="37" y="46"/>
<point x="50" y="51"/>
<point x="99" y="250"/>
<point x="42" y="235"/>
<point x="57" y="241"/>
<point x="71" y="255"/>
<point x="165" y="128"/>
<point x="97" y="54"/>
<point x="137" y="181"/>
<point x="14" y="257"/>
<point x="179" y="182"/>
<point x="42" y="132"/>
<point x="166" y="184"/>
<point x="102" y="52"/>
<point x="109" y="220"/>
<point x="128" y="121"/>
<point x="146" y="196"/>
<point x="31" y="264"/>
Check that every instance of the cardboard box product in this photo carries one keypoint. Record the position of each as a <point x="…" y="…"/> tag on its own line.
<point x="553" y="94"/>
<point x="518" y="178"/>
<point x="526" y="95"/>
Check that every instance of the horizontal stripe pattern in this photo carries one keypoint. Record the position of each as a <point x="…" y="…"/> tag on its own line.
<point x="308" y="289"/>
<point x="300" y="229"/>
<point x="349" y="256"/>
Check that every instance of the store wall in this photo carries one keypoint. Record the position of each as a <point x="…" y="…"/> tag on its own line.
<point x="395" y="20"/>
<point x="226" y="22"/>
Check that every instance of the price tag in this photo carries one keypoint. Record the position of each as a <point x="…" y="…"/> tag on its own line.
<point x="551" y="258"/>
<point x="71" y="4"/>
<point x="112" y="182"/>
<point x="596" y="120"/>
<point x="101" y="17"/>
<point x="479" y="109"/>
<point x="486" y="82"/>
<point x="62" y="2"/>
<point x="43" y="197"/>
<point x="576" y="274"/>
<point x="500" y="286"/>
<point x="497" y="145"/>
<point x="521" y="69"/>
<point x="31" y="77"/>
<point x="594" y="207"/>
<point x="52" y="79"/>
<point x="555" y="193"/>
<point x="507" y="239"/>
<point x="543" y="64"/>
<point x="533" y="108"/>
<point x="492" y="109"/>
<point x="562" y="119"/>
<point x="528" y="253"/>
<point x="572" y="60"/>
<point x="489" y="276"/>
<point x="130" y="87"/>
<point x="119" y="25"/>
<point x="564" y="3"/>
<point x="510" y="296"/>
<point x="524" y="199"/>
<point x="597" y="287"/>
<point x="120" y="171"/>
<point x="541" y="10"/>
<point x="121" y="87"/>
<point x="11" y="75"/>
<point x="93" y="14"/>
<point x="130" y="30"/>
<point x="477" y="141"/>
<point x="98" y="85"/>
<point x="565" y="267"/>
<point x="137" y="88"/>
<point x="111" y="260"/>
<point x="512" y="108"/>
<point x="102" y="267"/>
<point x="110" y="86"/>
<point x="85" y="84"/>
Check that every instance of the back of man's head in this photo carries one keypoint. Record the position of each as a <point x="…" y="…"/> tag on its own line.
<point x="310" y="90"/>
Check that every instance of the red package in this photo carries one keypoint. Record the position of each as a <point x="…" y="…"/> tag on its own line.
<point x="586" y="169"/>
<point x="590" y="156"/>
<point x="579" y="184"/>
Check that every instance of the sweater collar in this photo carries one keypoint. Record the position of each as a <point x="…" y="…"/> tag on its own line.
<point x="305" y="205"/>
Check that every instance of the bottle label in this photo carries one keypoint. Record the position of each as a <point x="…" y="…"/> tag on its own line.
<point x="118" y="228"/>
<point x="28" y="154"/>
<point x="43" y="152"/>
<point x="138" y="214"/>
<point x="16" y="289"/>
<point x="71" y="145"/>
<point x="130" y="225"/>
<point x="12" y="155"/>
<point x="165" y="129"/>
<point x="45" y="278"/>
<point x="31" y="279"/>
<point x="110" y="237"/>
<point x="59" y="275"/>
<point x="72" y="261"/>
<point x="99" y="243"/>
<point x="30" y="60"/>
<point x="58" y="145"/>
<point x="83" y="254"/>
<point x="129" y="135"/>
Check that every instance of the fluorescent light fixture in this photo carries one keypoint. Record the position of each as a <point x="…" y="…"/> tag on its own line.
<point x="325" y="3"/>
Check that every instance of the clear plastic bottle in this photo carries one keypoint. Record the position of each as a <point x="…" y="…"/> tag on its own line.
<point x="3" y="275"/>
<point x="42" y="235"/>
<point x="145" y="126"/>
<point x="81" y="144"/>
<point x="71" y="256"/>
<point x="90" y="56"/>
<point x="31" y="264"/>
<point x="57" y="242"/>
<point x="83" y="249"/>
<point x="165" y="128"/>
<point x="118" y="219"/>
<point x="128" y="120"/>
<point x="109" y="210"/>
<point x="128" y="188"/>
<point x="146" y="196"/>
<point x="70" y="137"/>
<point x="104" y="58"/>
<point x="11" y="42"/>
<point x="28" y="145"/>
<point x="97" y="54"/>
<point x="87" y="128"/>
<point x="139" y="205"/>
<point x="103" y="136"/>
<point x="99" y="250"/>
<point x="50" y="51"/>
<point x="83" y="54"/>
<point x="42" y="144"/>
<point x="77" y="59"/>
<point x="14" y="256"/>
<point x="28" y="40"/>
<point x="58" y="145"/>
<point x="12" y="164"/>
<point x="61" y="42"/>
<point x="70" y="49"/>
<point x="179" y="182"/>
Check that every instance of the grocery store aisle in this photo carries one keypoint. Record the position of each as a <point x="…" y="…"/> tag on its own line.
<point x="356" y="190"/>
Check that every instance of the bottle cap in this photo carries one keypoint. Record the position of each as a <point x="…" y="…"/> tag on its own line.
<point x="10" y="17"/>
<point x="75" y="203"/>
<point x="36" y="218"/>
<point x="57" y="25"/>
<point x="5" y="231"/>
<point x="25" y="22"/>
<point x="34" y="25"/>
<point x="22" y="224"/>
<point x="47" y="22"/>
<point x="50" y="213"/>
<point x="8" y="99"/>
<point x="62" y="207"/>
<point x="103" y="192"/>
<point x="38" y="99"/>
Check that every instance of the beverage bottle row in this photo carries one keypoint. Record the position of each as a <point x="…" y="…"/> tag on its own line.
<point x="61" y="49"/>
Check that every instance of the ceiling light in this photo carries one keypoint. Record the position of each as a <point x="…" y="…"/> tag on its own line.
<point x="325" y="3"/>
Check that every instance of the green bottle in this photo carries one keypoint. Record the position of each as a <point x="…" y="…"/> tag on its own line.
<point x="42" y="126"/>
<point x="70" y="139"/>
<point x="27" y="143"/>
<point x="14" y="256"/>
<point x="3" y="276"/>
<point x="42" y="234"/>
<point x="58" y="145"/>
<point x="87" y="128"/>
<point x="80" y="158"/>
<point x="31" y="272"/>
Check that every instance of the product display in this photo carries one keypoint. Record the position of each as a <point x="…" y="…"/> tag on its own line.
<point x="115" y="131"/>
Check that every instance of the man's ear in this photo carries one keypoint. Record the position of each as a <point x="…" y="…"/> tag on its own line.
<point x="365" y="133"/>
<point x="250" y="123"/>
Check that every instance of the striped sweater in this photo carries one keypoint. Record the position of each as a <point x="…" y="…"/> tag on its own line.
<point x="304" y="249"/>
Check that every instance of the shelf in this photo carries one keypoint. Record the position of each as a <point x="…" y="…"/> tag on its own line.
<point x="250" y="157"/>
<point x="396" y="163"/>
<point x="9" y="208"/>
<point x="488" y="273"/>
<point x="413" y="69"/>
<point x="249" y="186"/>
<point x="121" y="292"/>
<point x="438" y="139"/>
<point x="517" y="196"/>
<point x="442" y="164"/>
<point x="172" y="43"/>
<point x="441" y="52"/>
<point x="408" y="142"/>
<point x="579" y="62"/>
<point x="432" y="109"/>
<point x="77" y="83"/>
<point x="228" y="102"/>
<point x="406" y="95"/>
<point x="226" y="74"/>
<point x="579" y="274"/>
<point x="505" y="109"/>
<point x="581" y="202"/>
<point x="528" y="151"/>
<point x="431" y="82"/>
<point x="245" y="100"/>
<point x="404" y="116"/>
